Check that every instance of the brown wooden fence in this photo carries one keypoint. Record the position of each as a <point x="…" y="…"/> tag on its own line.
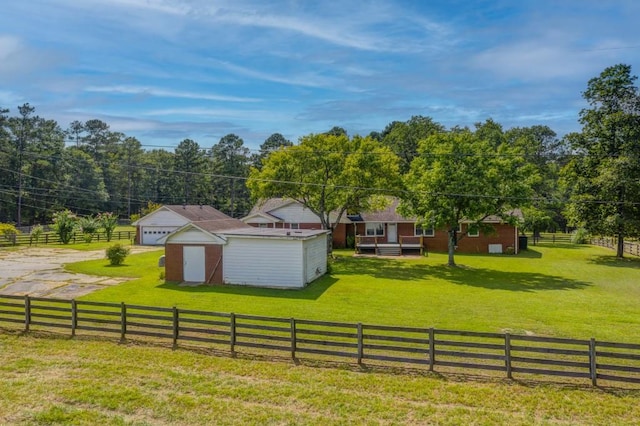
<point x="506" y="353"/>
<point x="50" y="238"/>
<point x="630" y="247"/>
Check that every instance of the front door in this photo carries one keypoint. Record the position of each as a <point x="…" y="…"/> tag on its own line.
<point x="193" y="264"/>
<point x="392" y="232"/>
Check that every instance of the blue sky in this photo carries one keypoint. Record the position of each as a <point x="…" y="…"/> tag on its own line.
<point x="163" y="71"/>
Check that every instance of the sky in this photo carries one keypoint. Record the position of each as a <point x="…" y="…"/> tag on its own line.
<point x="163" y="71"/>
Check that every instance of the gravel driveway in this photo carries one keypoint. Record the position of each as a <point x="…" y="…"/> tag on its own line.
<point x="39" y="272"/>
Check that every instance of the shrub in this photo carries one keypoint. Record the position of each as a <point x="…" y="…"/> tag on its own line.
<point x="64" y="223"/>
<point x="88" y="226"/>
<point x="351" y="241"/>
<point x="108" y="222"/>
<point x="36" y="233"/>
<point x="580" y="236"/>
<point x="9" y="232"/>
<point x="116" y="254"/>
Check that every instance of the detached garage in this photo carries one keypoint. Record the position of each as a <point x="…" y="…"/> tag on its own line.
<point x="280" y="258"/>
<point x="151" y="228"/>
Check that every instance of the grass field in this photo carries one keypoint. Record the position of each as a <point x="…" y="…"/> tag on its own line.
<point x="563" y="290"/>
<point x="53" y="380"/>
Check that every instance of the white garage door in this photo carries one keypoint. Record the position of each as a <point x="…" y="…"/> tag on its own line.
<point x="193" y="263"/>
<point x="151" y="234"/>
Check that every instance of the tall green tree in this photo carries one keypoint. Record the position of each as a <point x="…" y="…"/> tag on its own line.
<point x="458" y="175"/>
<point x="44" y="171"/>
<point x="403" y="137"/>
<point x="548" y="154"/>
<point x="329" y="174"/>
<point x="23" y="133"/>
<point x="83" y="187"/>
<point x="160" y="182"/>
<point x="272" y="143"/>
<point x="6" y="171"/>
<point x="130" y="159"/>
<point x="230" y="166"/>
<point x="192" y="168"/>
<point x="604" y="174"/>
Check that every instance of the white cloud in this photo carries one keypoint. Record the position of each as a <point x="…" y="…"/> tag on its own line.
<point x="158" y="92"/>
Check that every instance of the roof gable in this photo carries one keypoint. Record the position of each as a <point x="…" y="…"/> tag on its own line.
<point x="196" y="213"/>
<point x="388" y="214"/>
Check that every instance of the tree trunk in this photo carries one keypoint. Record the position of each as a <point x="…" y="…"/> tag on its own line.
<point x="452" y="247"/>
<point x="620" y="247"/>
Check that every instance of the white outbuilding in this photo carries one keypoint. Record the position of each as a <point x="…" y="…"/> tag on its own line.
<point x="230" y="252"/>
<point x="163" y="221"/>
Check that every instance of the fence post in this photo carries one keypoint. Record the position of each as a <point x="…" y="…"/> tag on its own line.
<point x="360" y="343"/>
<point x="27" y="312"/>
<point x="507" y="354"/>
<point x="176" y="326"/>
<point x="432" y="349"/>
<point x="293" y="338"/>
<point x="232" y="333"/>
<point x="123" y="320"/>
<point x="592" y="362"/>
<point x="74" y="317"/>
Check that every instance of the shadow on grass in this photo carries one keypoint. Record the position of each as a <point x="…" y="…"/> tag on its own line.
<point x="311" y="292"/>
<point x="505" y="280"/>
<point x="492" y="279"/>
<point x="626" y="262"/>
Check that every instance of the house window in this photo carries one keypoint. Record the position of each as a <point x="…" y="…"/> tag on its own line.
<point x="294" y="226"/>
<point x="425" y="231"/>
<point x="263" y="225"/>
<point x="473" y="231"/>
<point x="374" y="229"/>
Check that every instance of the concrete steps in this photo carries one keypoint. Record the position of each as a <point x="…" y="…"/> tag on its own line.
<point x="389" y="251"/>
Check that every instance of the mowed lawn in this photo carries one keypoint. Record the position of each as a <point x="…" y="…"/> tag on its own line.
<point x="564" y="290"/>
<point x="64" y="381"/>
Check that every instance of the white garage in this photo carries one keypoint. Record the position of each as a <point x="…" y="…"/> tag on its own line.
<point x="163" y="221"/>
<point x="277" y="258"/>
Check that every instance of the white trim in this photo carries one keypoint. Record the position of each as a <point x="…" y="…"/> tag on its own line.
<point x="375" y="227"/>
<point x="266" y="216"/>
<point x="423" y="229"/>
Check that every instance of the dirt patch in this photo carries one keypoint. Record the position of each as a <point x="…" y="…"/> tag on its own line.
<point x="40" y="272"/>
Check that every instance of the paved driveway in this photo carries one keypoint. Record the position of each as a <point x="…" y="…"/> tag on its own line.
<point x="39" y="272"/>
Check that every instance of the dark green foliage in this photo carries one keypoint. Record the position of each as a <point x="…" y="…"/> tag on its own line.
<point x="64" y="223"/>
<point x="116" y="254"/>
<point x="108" y="221"/>
<point x="604" y="175"/>
<point x="580" y="236"/>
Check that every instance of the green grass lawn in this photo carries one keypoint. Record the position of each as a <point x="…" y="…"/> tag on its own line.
<point x="48" y="381"/>
<point x="562" y="290"/>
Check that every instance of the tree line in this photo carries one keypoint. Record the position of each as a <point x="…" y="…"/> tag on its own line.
<point x="589" y="178"/>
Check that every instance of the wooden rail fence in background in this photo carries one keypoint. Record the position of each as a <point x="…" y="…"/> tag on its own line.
<point x="630" y="247"/>
<point x="507" y="353"/>
<point x="49" y="238"/>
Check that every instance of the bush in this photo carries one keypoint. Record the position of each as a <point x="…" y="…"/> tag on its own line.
<point x="36" y="233"/>
<point x="116" y="254"/>
<point x="351" y="241"/>
<point x="108" y="221"/>
<point x="88" y="226"/>
<point x="64" y="223"/>
<point x="580" y="236"/>
<point x="9" y="232"/>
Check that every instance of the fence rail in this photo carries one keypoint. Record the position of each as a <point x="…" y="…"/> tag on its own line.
<point x="630" y="247"/>
<point x="50" y="238"/>
<point x="431" y="348"/>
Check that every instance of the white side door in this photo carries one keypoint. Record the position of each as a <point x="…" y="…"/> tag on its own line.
<point x="193" y="264"/>
<point x="392" y="232"/>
